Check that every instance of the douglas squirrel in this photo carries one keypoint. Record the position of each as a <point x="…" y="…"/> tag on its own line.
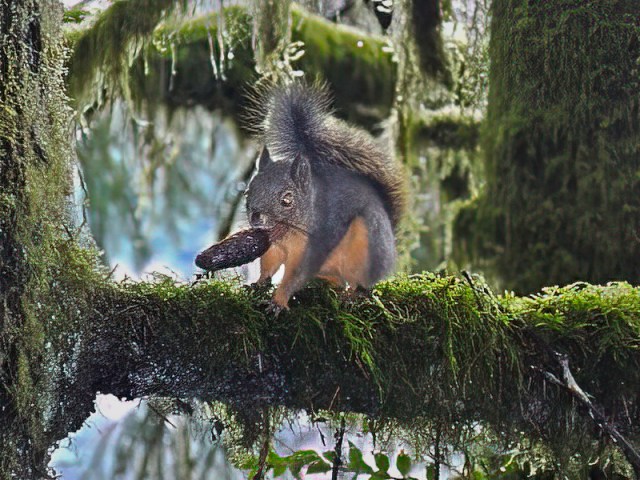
<point x="331" y="193"/>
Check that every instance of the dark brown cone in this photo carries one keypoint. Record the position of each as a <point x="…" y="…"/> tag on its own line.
<point x="239" y="248"/>
<point x="235" y="250"/>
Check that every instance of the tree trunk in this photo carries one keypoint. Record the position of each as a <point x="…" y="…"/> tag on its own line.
<point x="34" y="178"/>
<point x="562" y="151"/>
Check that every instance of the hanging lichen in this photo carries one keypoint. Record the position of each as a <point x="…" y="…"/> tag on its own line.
<point x="209" y="60"/>
<point x="426" y="22"/>
<point x="449" y="173"/>
<point x="102" y="55"/>
<point x="271" y="37"/>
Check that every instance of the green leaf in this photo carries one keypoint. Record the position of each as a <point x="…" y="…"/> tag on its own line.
<point x="330" y="455"/>
<point x="355" y="455"/>
<point x="356" y="463"/>
<point x="297" y="460"/>
<point x="274" y="459"/>
<point x="380" y="475"/>
<point x="403" y="463"/>
<point x="318" y="467"/>
<point x="382" y="462"/>
<point x="295" y="468"/>
<point x="304" y="456"/>
<point x="279" y="470"/>
<point x="75" y="15"/>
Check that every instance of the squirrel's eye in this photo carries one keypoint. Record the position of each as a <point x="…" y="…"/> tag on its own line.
<point x="287" y="199"/>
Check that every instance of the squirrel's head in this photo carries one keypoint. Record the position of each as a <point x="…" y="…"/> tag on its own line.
<point x="280" y="193"/>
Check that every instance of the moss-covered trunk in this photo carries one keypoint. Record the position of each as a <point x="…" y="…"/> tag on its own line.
<point x="34" y="178"/>
<point x="562" y="143"/>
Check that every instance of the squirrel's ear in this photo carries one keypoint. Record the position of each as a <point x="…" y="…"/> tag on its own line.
<point x="265" y="159"/>
<point x="301" y="170"/>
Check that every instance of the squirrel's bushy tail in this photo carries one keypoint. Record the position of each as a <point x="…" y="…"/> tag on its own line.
<point x="297" y="119"/>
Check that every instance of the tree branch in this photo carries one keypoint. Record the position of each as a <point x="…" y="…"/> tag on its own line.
<point x="423" y="346"/>
<point x="338" y="461"/>
<point x="177" y="55"/>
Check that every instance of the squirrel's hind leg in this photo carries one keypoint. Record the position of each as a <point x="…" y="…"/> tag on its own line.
<point x="334" y="279"/>
<point x="348" y="263"/>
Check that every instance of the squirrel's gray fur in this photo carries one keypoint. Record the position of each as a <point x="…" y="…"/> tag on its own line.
<point x="297" y="119"/>
<point x="316" y="175"/>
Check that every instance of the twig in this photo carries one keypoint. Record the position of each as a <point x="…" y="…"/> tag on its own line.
<point x="322" y="438"/>
<point x="161" y="415"/>
<point x="338" y="460"/>
<point x="225" y="227"/>
<point x="335" y="395"/>
<point x="264" y="451"/>
<point x="437" y="455"/>
<point x="569" y="383"/>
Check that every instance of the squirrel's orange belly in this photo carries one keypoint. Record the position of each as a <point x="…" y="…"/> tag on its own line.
<point x="349" y="261"/>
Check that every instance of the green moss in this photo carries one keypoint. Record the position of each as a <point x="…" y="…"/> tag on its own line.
<point x="561" y="144"/>
<point x="424" y="349"/>
<point x="426" y="19"/>
<point x="177" y="69"/>
<point x="272" y="37"/>
<point x="450" y="131"/>
<point x="421" y="349"/>
<point x="34" y="210"/>
<point x="448" y="171"/>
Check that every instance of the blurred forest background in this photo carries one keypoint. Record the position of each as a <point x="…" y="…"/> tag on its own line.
<point x="517" y="122"/>
<point x="165" y="164"/>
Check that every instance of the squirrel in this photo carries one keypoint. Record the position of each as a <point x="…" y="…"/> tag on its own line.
<point x="333" y="194"/>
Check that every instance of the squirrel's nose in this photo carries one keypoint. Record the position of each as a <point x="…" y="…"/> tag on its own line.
<point x="256" y="219"/>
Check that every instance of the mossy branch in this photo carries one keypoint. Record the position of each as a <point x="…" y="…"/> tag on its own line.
<point x="209" y="61"/>
<point x="418" y="349"/>
<point x="435" y="348"/>
<point x="102" y="54"/>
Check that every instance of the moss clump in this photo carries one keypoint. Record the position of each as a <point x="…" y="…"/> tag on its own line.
<point x="450" y="131"/>
<point x="34" y="210"/>
<point x="561" y="143"/>
<point x="272" y="36"/>
<point x="449" y="167"/>
<point x="330" y="50"/>
<point x="182" y="68"/>
<point x="426" y="19"/>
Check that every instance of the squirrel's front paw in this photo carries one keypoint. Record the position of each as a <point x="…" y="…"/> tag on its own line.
<point x="275" y="308"/>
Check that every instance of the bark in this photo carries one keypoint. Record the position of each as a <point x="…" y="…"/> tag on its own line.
<point x="443" y="350"/>
<point x="34" y="162"/>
